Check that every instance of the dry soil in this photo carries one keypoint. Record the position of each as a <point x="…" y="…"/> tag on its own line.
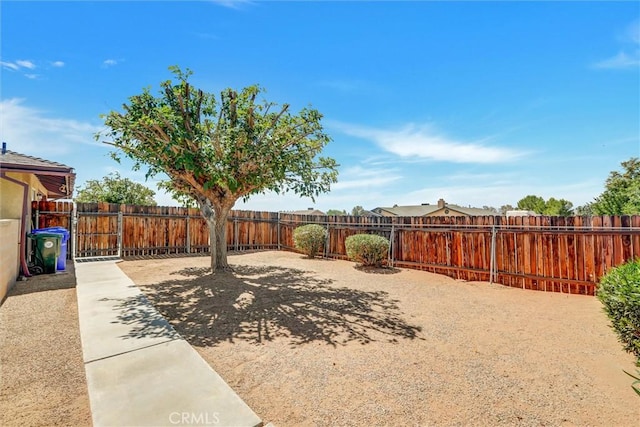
<point x="319" y="342"/>
<point x="42" y="377"/>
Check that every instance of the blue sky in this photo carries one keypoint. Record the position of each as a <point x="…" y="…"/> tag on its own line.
<point x="477" y="103"/>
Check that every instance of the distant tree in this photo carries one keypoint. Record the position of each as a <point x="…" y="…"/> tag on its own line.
<point x="358" y="211"/>
<point x="336" y="212"/>
<point x="115" y="189"/>
<point x="532" y="203"/>
<point x="490" y="208"/>
<point x="218" y="150"/>
<point x="505" y="208"/>
<point x="551" y="207"/>
<point x="555" y="207"/>
<point x="622" y="191"/>
<point x="584" y="210"/>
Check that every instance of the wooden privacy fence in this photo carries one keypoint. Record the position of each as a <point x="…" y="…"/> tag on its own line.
<point x="110" y="230"/>
<point x="558" y="254"/>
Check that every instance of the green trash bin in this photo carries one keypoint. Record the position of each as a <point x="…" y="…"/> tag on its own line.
<point x="47" y="250"/>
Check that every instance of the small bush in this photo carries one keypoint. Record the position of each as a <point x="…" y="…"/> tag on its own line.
<point x="309" y="239"/>
<point x="619" y="292"/>
<point x="367" y="249"/>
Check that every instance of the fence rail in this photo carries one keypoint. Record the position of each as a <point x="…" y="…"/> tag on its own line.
<point x="559" y="254"/>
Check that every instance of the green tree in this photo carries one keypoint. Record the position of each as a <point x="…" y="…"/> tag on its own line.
<point x="622" y="191"/>
<point x="584" y="210"/>
<point x="551" y="207"/>
<point x="336" y="212"/>
<point x="532" y="203"/>
<point x="358" y="211"/>
<point x="115" y="189"/>
<point x="219" y="150"/>
<point x="558" y="207"/>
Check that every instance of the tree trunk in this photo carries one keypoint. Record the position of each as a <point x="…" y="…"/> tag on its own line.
<point x="219" y="245"/>
<point x="216" y="217"/>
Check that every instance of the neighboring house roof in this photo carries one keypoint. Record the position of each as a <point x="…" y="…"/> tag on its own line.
<point x="427" y="209"/>
<point x="306" y="212"/>
<point x="57" y="178"/>
<point x="419" y="210"/>
<point x="473" y="211"/>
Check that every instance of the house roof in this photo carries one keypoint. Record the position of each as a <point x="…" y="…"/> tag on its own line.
<point x="369" y="213"/>
<point x="307" y="212"/>
<point x="57" y="178"/>
<point x="422" y="210"/>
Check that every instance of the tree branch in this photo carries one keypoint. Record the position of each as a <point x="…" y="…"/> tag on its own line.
<point x="274" y="122"/>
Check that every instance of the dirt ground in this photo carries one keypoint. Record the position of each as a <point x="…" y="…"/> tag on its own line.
<point x="42" y="377"/>
<point x="318" y="342"/>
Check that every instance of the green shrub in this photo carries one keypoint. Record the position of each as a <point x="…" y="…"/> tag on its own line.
<point x="619" y="292"/>
<point x="309" y="239"/>
<point x="367" y="249"/>
<point x="636" y="384"/>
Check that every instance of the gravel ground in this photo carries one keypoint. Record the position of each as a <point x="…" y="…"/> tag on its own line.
<point x="42" y="377"/>
<point x="320" y="343"/>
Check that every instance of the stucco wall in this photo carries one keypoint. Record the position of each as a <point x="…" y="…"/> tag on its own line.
<point x="11" y="196"/>
<point x="10" y="200"/>
<point x="9" y="254"/>
<point x="11" y="203"/>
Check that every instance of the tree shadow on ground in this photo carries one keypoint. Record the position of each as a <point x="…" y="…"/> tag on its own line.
<point x="145" y="321"/>
<point x="258" y="304"/>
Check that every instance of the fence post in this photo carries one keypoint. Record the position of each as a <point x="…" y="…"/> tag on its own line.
<point x="188" y="234"/>
<point x="492" y="262"/>
<point x="235" y="233"/>
<point x="391" y="245"/>
<point x="74" y="230"/>
<point x="119" y="233"/>
<point x="278" y="230"/>
<point x="328" y="240"/>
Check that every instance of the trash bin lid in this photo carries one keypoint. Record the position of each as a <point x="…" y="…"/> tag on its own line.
<point x="53" y="230"/>
<point x="39" y="236"/>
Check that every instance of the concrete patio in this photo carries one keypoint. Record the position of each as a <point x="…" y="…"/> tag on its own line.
<point x="140" y="371"/>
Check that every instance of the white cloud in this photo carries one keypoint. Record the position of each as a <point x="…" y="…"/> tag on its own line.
<point x="632" y="33"/>
<point x="26" y="67"/>
<point x="10" y="65"/>
<point x="18" y="65"/>
<point x="626" y="58"/>
<point x="232" y="4"/>
<point x="498" y="189"/>
<point x="477" y="190"/>
<point x="30" y="131"/>
<point x="426" y="143"/>
<point x="109" y="62"/>
<point x="26" y="64"/>
<point x="620" y="61"/>
<point x="364" y="178"/>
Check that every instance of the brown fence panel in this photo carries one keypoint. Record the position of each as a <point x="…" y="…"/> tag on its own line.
<point x="96" y="231"/>
<point x="543" y="253"/>
<point x="52" y="214"/>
